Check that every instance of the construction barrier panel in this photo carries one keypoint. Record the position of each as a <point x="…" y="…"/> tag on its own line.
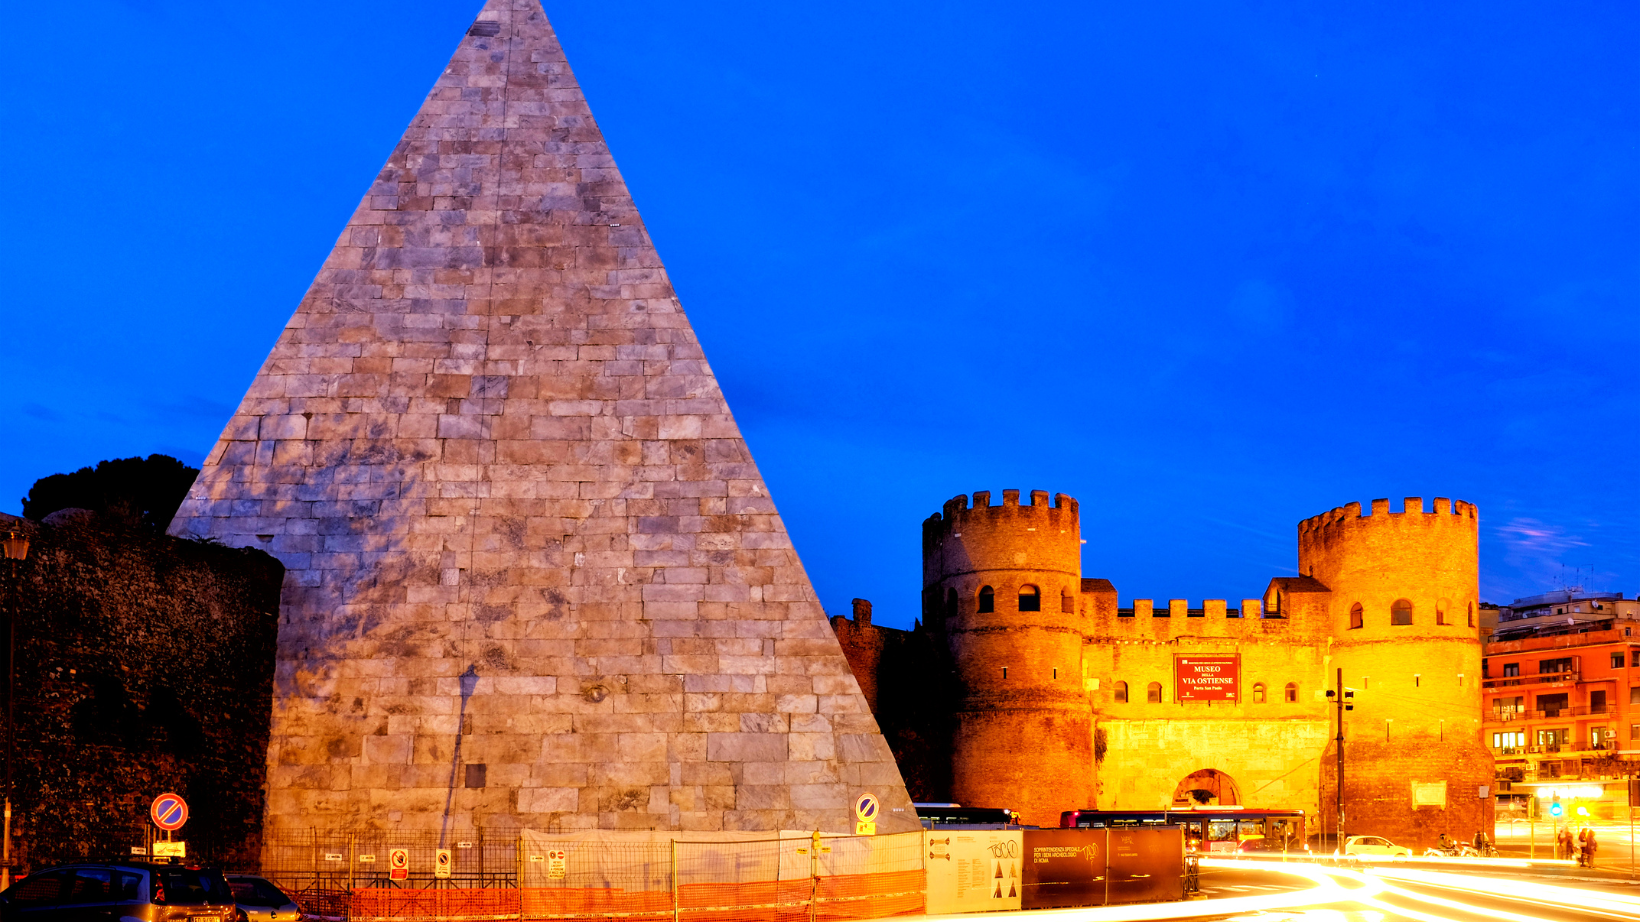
<point x="637" y="876"/>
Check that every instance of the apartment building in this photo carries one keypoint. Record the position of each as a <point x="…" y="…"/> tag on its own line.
<point x="1560" y="676"/>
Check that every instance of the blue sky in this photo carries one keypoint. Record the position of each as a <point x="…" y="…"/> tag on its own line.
<point x="1210" y="268"/>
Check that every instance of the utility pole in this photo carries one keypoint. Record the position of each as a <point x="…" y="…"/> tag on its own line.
<point x="1341" y="700"/>
<point x="1339" y="788"/>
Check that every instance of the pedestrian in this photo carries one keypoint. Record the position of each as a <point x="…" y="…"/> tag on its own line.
<point x="1590" y="846"/>
<point x="1563" y="843"/>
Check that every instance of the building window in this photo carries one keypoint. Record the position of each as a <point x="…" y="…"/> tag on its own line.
<point x="1552" y="740"/>
<point x="1471" y="614"/>
<point x="1597" y="701"/>
<point x="1559" y="664"/>
<point x="1634" y="695"/>
<point x="1600" y="737"/>
<point x="987" y="600"/>
<point x="1258" y="692"/>
<point x="1511" y="669"/>
<point x="1067" y="602"/>
<point x="1030" y="598"/>
<point x="1153" y="693"/>
<point x="1634" y="656"/>
<point x="476" y="772"/>
<point x="1440" y="612"/>
<point x="1290" y="695"/>
<point x="1400" y="612"/>
<point x="1509" y="742"/>
<point x="1507" y="708"/>
<point x="1617" y="661"/>
<point x="1119" y="691"/>
<point x="1552" y="705"/>
<point x="1634" y="731"/>
<point x="1357" y="616"/>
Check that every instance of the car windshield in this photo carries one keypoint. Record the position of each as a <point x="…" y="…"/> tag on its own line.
<point x="251" y="891"/>
<point x="192" y="886"/>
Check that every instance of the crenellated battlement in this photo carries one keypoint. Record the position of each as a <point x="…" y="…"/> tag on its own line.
<point x="958" y="512"/>
<point x="1350" y="514"/>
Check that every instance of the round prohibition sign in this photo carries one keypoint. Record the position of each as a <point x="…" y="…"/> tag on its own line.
<point x="866" y="807"/>
<point x="169" y="811"/>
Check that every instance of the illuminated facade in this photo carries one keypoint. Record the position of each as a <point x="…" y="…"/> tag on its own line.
<point x="1063" y="698"/>
<point x="1561" y="677"/>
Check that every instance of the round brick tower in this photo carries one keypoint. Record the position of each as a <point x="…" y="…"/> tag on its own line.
<point x="1002" y="583"/>
<point x="1405" y="594"/>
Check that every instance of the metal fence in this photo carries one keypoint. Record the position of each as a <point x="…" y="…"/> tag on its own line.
<point x="640" y="877"/>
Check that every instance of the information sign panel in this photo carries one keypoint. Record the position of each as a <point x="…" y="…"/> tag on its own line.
<point x="972" y="870"/>
<point x="1146" y="865"/>
<point x="163" y="849"/>
<point x="1207" y="678"/>
<point x="1064" y="868"/>
<point x="441" y="864"/>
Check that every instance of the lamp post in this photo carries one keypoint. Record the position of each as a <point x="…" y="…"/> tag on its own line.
<point x="16" y="549"/>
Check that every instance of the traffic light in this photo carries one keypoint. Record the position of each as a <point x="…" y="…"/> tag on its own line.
<point x="1349" y="699"/>
<point x="1556" y="810"/>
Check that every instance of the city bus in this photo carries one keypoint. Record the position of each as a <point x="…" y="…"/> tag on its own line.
<point x="1211" y="829"/>
<point x="933" y="815"/>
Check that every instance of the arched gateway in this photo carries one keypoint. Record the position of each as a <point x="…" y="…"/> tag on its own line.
<point x="1207" y="786"/>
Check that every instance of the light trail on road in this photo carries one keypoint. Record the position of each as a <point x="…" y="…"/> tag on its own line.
<point x="1379" y="894"/>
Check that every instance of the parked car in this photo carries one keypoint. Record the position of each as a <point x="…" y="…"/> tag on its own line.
<point x="86" y="891"/>
<point x="262" y="901"/>
<point x="1375" y="845"/>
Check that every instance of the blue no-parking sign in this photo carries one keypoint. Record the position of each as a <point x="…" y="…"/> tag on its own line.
<point x="169" y="811"/>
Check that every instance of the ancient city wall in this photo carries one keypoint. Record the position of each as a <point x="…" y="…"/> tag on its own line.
<point x="1023" y="734"/>
<point x="1269" y="748"/>
<point x="1418" y="703"/>
<point x="144" y="666"/>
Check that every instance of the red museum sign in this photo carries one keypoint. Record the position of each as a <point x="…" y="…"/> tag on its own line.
<point x="1207" y="678"/>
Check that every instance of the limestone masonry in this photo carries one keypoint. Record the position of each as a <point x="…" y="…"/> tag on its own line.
<point x="534" y="578"/>
<point x="1065" y="700"/>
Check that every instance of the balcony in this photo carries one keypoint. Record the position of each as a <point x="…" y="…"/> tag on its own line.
<point x="1569" y="675"/>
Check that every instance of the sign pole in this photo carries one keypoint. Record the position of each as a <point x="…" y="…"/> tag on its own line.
<point x="1340" y="742"/>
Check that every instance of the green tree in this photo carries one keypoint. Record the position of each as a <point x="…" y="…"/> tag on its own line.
<point x="143" y="492"/>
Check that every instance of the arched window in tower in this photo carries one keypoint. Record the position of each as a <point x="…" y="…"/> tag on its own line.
<point x="1400" y="612"/>
<point x="950" y="603"/>
<point x="1119" y="692"/>
<point x="1472" y="615"/>
<point x="1153" y="693"/>
<point x="987" y="600"/>
<point x="1440" y="611"/>
<point x="1258" y="692"/>
<point x="1067" y="602"/>
<point x="1358" y="617"/>
<point x="1290" y="693"/>
<point x="1030" y="598"/>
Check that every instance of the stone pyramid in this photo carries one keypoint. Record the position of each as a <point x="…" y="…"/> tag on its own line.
<point x="534" y="578"/>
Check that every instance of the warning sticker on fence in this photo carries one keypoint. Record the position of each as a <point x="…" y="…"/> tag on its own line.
<point x="398" y="864"/>
<point x="441" y="864"/>
<point x="557" y="862"/>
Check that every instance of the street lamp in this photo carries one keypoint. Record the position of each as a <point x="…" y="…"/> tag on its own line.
<point x="16" y="549"/>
